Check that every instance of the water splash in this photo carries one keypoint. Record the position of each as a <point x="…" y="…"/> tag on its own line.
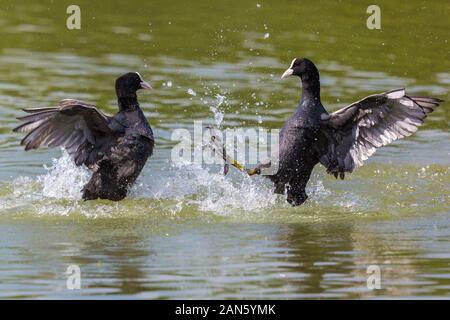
<point x="191" y="92"/>
<point x="63" y="179"/>
<point x="167" y="84"/>
<point x="172" y="188"/>
<point x="170" y="191"/>
<point x="209" y="190"/>
<point x="217" y="111"/>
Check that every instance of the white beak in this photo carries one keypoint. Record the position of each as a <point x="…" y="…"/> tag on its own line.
<point x="146" y="85"/>
<point x="287" y="73"/>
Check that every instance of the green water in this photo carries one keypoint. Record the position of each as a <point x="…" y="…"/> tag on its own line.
<point x="189" y="232"/>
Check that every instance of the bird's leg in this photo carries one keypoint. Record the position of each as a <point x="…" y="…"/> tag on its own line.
<point x="217" y="145"/>
<point x="219" y="148"/>
<point x="253" y="171"/>
<point x="242" y="168"/>
<point x="266" y="164"/>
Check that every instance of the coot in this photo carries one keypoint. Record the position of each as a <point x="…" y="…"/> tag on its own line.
<point x="341" y="141"/>
<point x="114" y="148"/>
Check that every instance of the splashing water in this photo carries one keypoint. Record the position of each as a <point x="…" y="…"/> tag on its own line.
<point x="63" y="179"/>
<point x="171" y="187"/>
<point x="168" y="188"/>
<point x="208" y="190"/>
<point x="217" y="111"/>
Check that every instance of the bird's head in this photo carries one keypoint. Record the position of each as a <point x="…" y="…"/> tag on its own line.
<point x="129" y="83"/>
<point x="302" y="68"/>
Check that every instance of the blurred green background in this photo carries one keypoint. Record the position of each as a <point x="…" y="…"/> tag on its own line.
<point x="188" y="232"/>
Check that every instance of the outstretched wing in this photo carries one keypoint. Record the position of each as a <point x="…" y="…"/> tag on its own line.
<point x="74" y="125"/>
<point x="352" y="134"/>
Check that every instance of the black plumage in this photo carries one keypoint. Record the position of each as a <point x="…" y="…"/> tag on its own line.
<point x="342" y="140"/>
<point x="114" y="148"/>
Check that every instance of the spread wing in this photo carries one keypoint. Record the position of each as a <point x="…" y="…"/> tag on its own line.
<point x="352" y="134"/>
<point x="73" y="124"/>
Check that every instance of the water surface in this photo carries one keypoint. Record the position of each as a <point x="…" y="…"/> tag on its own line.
<point x="188" y="231"/>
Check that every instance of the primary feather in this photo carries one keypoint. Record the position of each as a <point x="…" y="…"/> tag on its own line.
<point x="352" y="134"/>
<point x="114" y="148"/>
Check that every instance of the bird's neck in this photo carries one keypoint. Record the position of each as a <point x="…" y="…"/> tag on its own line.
<point x="128" y="103"/>
<point x="311" y="88"/>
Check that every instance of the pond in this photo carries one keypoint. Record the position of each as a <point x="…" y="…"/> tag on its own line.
<point x="188" y="231"/>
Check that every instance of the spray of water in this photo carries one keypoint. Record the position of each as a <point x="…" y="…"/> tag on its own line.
<point x="217" y="111"/>
<point x="63" y="179"/>
<point x="172" y="187"/>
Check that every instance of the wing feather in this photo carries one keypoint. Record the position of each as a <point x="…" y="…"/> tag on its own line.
<point x="73" y="124"/>
<point x="352" y="134"/>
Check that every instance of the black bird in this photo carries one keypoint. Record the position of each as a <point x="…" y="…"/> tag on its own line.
<point x="342" y="140"/>
<point x="114" y="148"/>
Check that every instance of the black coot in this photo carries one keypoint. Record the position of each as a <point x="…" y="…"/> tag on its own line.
<point x="114" y="148"/>
<point x="342" y="140"/>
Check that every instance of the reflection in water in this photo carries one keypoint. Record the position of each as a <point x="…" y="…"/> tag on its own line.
<point x="229" y="260"/>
